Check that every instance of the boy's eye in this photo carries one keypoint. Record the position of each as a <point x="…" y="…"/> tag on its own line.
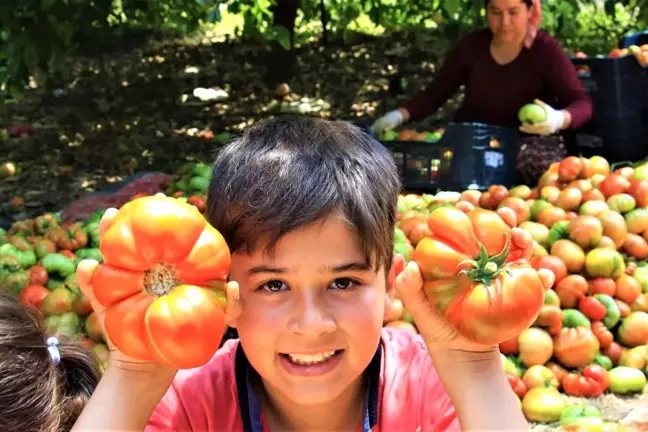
<point x="274" y="286"/>
<point x="343" y="284"/>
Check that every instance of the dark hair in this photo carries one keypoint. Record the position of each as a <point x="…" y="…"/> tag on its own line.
<point x="36" y="395"/>
<point x="529" y="3"/>
<point x="287" y="173"/>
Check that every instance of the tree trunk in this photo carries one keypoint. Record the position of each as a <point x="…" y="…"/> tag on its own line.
<point x="281" y="63"/>
<point x="285" y="14"/>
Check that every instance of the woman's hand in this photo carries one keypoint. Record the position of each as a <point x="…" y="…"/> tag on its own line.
<point x="555" y="121"/>
<point x="388" y="122"/>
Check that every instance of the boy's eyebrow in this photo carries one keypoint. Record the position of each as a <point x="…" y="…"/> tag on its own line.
<point x="354" y="266"/>
<point x="357" y="266"/>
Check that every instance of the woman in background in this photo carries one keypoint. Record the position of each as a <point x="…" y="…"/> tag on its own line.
<point x="503" y="67"/>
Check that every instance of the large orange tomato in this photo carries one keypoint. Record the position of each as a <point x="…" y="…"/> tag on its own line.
<point x="485" y="290"/>
<point x="575" y="347"/>
<point x="162" y="282"/>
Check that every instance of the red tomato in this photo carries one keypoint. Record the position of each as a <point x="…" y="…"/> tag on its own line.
<point x="614" y="184"/>
<point x="599" y="374"/>
<point x="551" y="318"/>
<point x="628" y="288"/>
<point x="638" y="189"/>
<point x="613" y="352"/>
<point x="575" y="347"/>
<point x="549" y="262"/>
<point x="499" y="193"/>
<point x="488" y="300"/>
<point x="33" y="295"/>
<point x="510" y="346"/>
<point x="603" y="334"/>
<point x="68" y="253"/>
<point x="163" y="292"/>
<point x="570" y="290"/>
<point x="625" y="172"/>
<point x="602" y="285"/>
<point x="415" y="229"/>
<point x="569" y="168"/>
<point x="636" y="246"/>
<point x="593" y="382"/>
<point x="570" y="253"/>
<point x="558" y="371"/>
<point x="38" y="275"/>
<point x="517" y="385"/>
<point x="592" y="308"/>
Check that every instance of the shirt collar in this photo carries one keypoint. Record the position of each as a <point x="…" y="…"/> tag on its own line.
<point x="250" y="408"/>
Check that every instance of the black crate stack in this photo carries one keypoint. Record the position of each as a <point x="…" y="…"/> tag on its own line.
<point x="618" y="87"/>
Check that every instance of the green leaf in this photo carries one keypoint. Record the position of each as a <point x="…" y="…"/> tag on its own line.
<point x="452" y="7"/>
<point x="47" y="5"/>
<point x="30" y="57"/>
<point x="282" y="36"/>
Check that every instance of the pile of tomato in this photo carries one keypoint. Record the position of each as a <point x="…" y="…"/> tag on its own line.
<point x="589" y="225"/>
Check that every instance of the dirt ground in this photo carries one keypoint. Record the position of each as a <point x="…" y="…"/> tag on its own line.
<point x="613" y="408"/>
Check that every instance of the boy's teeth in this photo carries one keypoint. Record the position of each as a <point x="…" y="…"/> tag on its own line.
<point x="305" y="359"/>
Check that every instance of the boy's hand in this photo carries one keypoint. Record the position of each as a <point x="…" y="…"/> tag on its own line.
<point x="84" y="273"/>
<point x="436" y="331"/>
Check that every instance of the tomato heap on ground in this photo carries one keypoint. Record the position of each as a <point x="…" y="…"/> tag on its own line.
<point x="590" y="228"/>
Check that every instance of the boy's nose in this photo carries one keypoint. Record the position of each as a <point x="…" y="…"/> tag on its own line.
<point x="311" y="318"/>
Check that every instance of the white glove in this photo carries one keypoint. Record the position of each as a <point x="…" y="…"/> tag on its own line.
<point x="553" y="123"/>
<point x="389" y="121"/>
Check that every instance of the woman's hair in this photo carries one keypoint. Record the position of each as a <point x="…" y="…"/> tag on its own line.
<point x="529" y="3"/>
<point x="35" y="394"/>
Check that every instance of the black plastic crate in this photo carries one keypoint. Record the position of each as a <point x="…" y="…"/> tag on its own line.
<point x="617" y="138"/>
<point x="638" y="38"/>
<point x="616" y="85"/>
<point x="468" y="156"/>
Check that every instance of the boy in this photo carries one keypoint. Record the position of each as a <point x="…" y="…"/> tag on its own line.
<point x="307" y="208"/>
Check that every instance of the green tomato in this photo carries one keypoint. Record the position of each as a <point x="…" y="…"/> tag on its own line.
<point x="603" y="361"/>
<point x="625" y="379"/>
<point x="558" y="231"/>
<point x="621" y="203"/>
<point x="612" y="311"/>
<point x="641" y="274"/>
<point x="572" y="413"/>
<point x="575" y="318"/>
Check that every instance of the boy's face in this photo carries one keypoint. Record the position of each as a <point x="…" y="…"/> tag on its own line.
<point x="311" y="314"/>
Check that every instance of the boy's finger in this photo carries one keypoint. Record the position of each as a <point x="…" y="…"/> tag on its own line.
<point x="84" y="272"/>
<point x="409" y="284"/>
<point x="508" y="215"/>
<point x="465" y="206"/>
<point x="233" y="303"/>
<point x="547" y="277"/>
<point x="107" y="221"/>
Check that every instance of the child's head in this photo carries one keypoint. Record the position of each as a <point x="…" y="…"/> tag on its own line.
<point x="307" y="207"/>
<point x="36" y="394"/>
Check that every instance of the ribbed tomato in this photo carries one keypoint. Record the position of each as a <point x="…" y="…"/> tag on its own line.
<point x="486" y="290"/>
<point x="162" y="282"/>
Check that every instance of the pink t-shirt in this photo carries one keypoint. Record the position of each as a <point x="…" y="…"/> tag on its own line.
<point x="410" y="395"/>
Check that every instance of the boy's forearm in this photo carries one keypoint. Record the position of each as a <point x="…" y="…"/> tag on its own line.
<point x="124" y="400"/>
<point x="479" y="390"/>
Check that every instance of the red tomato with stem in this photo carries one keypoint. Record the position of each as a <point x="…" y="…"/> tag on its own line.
<point x="474" y="277"/>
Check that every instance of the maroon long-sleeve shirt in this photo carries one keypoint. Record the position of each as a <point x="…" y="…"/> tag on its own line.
<point x="495" y="93"/>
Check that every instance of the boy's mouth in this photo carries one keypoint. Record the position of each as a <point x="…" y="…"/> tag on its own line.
<point x="311" y="359"/>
